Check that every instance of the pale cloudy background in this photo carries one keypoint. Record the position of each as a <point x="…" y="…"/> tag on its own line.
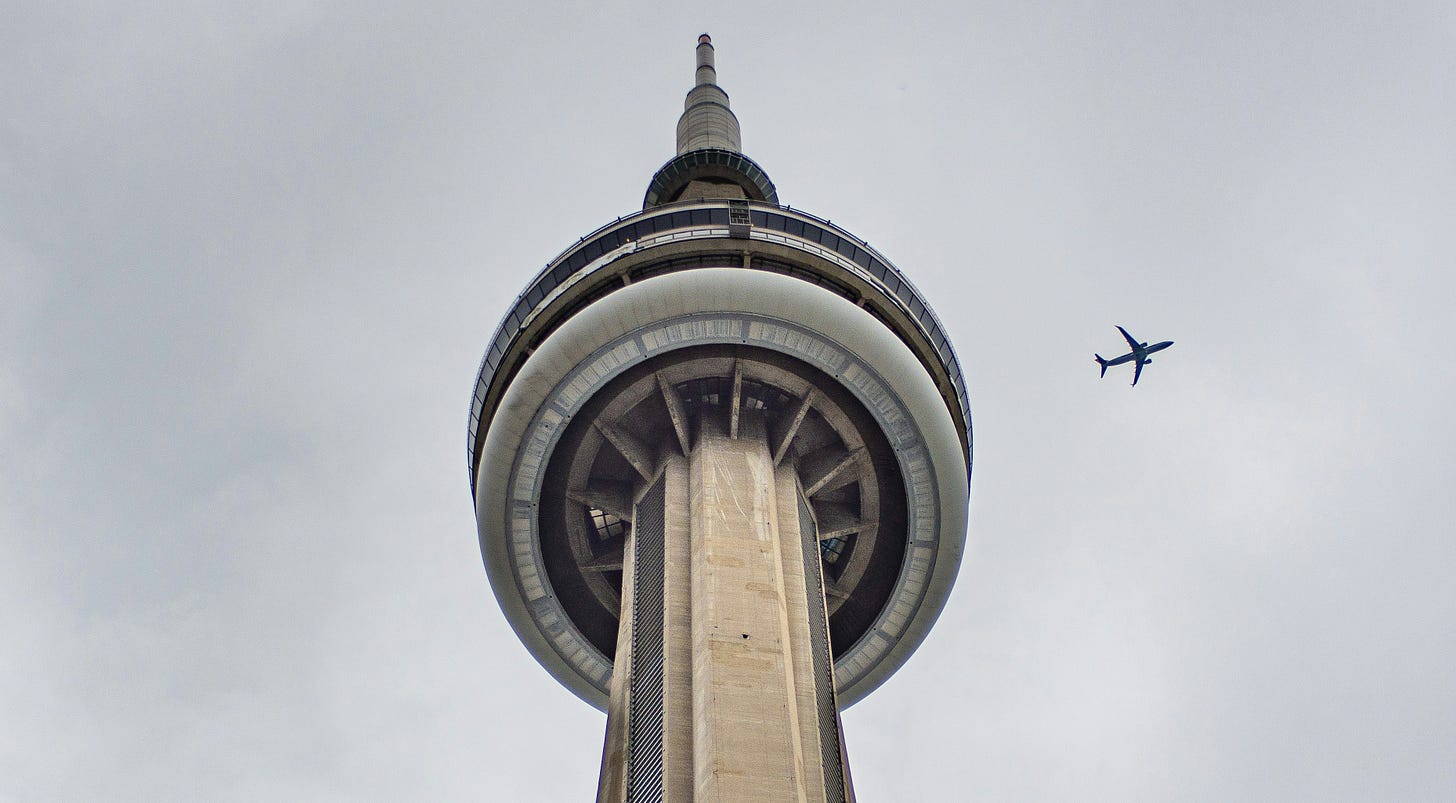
<point x="249" y="260"/>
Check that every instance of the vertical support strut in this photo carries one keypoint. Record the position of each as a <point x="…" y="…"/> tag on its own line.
<point x="737" y="402"/>
<point x="792" y="429"/>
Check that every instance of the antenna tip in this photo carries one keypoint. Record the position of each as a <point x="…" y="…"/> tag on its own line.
<point x="705" y="39"/>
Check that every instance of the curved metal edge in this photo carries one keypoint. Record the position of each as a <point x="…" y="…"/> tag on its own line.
<point x="679" y="170"/>
<point x="487" y="377"/>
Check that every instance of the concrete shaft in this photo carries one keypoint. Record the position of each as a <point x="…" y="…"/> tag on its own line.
<point x="707" y="70"/>
<point x="707" y="121"/>
<point x="722" y="689"/>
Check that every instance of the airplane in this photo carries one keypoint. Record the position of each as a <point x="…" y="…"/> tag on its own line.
<point x="1139" y="353"/>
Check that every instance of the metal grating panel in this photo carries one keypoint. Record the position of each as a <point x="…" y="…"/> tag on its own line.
<point x="740" y="221"/>
<point x="644" y="701"/>
<point x="823" y="660"/>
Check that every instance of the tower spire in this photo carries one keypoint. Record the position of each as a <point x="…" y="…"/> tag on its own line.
<point x="707" y="121"/>
<point x="710" y="162"/>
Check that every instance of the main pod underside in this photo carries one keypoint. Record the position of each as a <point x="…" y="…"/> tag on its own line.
<point x="698" y="301"/>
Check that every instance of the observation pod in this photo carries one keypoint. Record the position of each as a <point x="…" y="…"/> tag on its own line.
<point x="719" y="429"/>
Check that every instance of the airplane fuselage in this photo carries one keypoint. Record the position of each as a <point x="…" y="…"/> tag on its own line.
<point x="1138" y="355"/>
<point x="1141" y="354"/>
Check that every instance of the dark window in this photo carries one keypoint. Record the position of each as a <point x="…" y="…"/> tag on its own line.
<point x="605" y="525"/>
<point x="708" y="391"/>
<point x="831" y="549"/>
<point x="758" y="396"/>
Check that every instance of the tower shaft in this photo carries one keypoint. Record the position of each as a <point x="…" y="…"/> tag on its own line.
<point x="723" y="687"/>
<point x="691" y="426"/>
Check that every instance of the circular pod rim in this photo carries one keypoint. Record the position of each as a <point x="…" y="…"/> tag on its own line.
<point x="705" y="288"/>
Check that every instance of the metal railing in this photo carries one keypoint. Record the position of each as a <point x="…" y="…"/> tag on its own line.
<point x="710" y="219"/>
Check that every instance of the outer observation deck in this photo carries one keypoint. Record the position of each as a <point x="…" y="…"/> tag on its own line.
<point x="698" y="316"/>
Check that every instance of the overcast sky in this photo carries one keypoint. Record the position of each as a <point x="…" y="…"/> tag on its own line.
<point x="249" y="261"/>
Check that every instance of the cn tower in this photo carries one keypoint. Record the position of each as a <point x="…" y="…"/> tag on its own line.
<point x="720" y="451"/>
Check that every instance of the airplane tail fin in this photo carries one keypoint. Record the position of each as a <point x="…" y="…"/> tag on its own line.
<point x="1101" y="362"/>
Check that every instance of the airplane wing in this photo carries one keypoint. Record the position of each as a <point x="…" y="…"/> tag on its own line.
<point x="1138" y="371"/>
<point x="1131" y="341"/>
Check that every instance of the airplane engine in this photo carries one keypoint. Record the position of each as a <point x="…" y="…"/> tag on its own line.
<point x="1147" y="362"/>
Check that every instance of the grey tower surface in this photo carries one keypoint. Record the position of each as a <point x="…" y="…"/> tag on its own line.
<point x="720" y="451"/>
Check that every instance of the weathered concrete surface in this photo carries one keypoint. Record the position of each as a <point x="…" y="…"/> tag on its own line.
<point x="740" y="715"/>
